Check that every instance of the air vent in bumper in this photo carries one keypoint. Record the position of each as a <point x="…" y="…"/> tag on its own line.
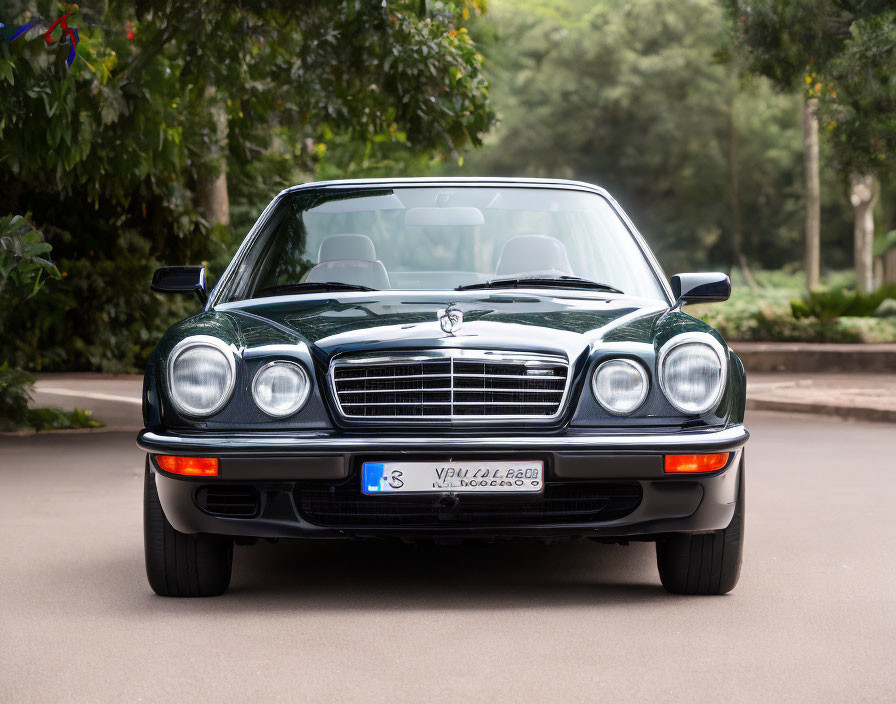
<point x="566" y="503"/>
<point x="231" y="500"/>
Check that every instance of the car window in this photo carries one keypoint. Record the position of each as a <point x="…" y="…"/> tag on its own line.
<point x="439" y="238"/>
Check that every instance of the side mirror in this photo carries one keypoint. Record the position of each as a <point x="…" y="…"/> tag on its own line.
<point x="707" y="287"/>
<point x="181" y="279"/>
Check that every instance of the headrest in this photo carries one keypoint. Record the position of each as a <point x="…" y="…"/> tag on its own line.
<point x="339" y="247"/>
<point x="534" y="254"/>
<point x="351" y="271"/>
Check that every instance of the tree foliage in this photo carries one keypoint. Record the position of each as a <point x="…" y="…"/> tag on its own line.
<point x="842" y="52"/>
<point x="646" y="98"/>
<point x="109" y="153"/>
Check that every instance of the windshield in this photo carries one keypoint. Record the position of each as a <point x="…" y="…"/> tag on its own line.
<point x="441" y="238"/>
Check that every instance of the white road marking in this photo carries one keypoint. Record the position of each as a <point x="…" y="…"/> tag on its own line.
<point x="87" y="394"/>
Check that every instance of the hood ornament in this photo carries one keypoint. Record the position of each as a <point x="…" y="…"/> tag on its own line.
<point x="450" y="319"/>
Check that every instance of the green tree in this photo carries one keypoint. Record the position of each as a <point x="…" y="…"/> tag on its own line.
<point x="859" y="112"/>
<point x="643" y="97"/>
<point x="178" y="117"/>
<point x="831" y="48"/>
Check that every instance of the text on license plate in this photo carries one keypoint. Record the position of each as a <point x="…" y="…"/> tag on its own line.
<point x="455" y="477"/>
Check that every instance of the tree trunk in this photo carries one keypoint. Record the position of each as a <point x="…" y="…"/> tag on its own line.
<point x="211" y="186"/>
<point x="214" y="201"/>
<point x="813" y="195"/>
<point x="736" y="229"/>
<point x="863" y="194"/>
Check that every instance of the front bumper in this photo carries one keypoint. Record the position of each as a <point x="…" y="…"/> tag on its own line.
<point x="282" y="469"/>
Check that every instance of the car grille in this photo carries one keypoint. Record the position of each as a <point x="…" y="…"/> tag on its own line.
<point x="450" y="384"/>
<point x="566" y="503"/>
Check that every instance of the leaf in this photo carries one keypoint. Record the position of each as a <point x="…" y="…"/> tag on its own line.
<point x="6" y="72"/>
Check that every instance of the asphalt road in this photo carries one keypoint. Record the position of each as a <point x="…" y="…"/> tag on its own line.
<point x="813" y="618"/>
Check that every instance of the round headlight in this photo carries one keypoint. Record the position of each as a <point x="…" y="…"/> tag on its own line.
<point x="692" y="372"/>
<point x="281" y="388"/>
<point x="620" y="385"/>
<point x="201" y="375"/>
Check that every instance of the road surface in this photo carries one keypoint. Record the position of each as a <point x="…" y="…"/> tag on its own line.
<point x="813" y="618"/>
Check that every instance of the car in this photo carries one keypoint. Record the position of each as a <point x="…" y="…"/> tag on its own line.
<point x="443" y="360"/>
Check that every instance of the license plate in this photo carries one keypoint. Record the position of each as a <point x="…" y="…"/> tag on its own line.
<point x="452" y="477"/>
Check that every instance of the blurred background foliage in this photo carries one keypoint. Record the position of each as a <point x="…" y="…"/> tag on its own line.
<point x="178" y="122"/>
<point x="651" y="99"/>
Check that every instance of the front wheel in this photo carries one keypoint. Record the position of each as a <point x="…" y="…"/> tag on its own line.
<point x="181" y="564"/>
<point x="707" y="563"/>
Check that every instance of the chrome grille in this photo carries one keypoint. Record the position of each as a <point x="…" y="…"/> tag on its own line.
<point x="450" y="384"/>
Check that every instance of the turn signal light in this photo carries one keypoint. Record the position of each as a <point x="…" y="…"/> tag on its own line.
<point x="191" y="466"/>
<point x="695" y="463"/>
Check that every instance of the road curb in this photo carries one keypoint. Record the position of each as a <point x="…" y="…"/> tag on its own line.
<point x="70" y="431"/>
<point x="876" y="415"/>
<point x="810" y="357"/>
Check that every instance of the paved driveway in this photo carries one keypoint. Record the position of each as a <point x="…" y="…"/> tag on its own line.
<point x="813" y="619"/>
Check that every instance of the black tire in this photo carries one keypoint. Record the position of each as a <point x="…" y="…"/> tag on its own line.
<point x="181" y="564"/>
<point x="708" y="563"/>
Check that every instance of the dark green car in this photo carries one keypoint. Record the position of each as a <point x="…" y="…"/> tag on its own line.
<point x="443" y="360"/>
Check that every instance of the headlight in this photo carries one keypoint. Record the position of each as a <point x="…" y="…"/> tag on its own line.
<point x="201" y="375"/>
<point x="281" y="388"/>
<point x="620" y="385"/>
<point x="692" y="370"/>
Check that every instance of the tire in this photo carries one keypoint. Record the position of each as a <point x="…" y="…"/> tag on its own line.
<point x="181" y="564"/>
<point x="708" y="563"/>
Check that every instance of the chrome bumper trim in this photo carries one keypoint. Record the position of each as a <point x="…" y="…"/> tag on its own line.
<point x="725" y="439"/>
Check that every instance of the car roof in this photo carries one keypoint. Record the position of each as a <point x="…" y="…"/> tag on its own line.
<point x="452" y="181"/>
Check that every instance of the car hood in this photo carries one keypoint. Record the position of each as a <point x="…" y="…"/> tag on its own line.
<point x="349" y="322"/>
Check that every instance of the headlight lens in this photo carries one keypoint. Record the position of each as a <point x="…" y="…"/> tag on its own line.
<point x="620" y="385"/>
<point x="692" y="372"/>
<point x="201" y="375"/>
<point x="281" y="388"/>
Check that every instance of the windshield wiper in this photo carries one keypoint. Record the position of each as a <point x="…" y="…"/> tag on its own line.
<point x="542" y="282"/>
<point x="310" y="287"/>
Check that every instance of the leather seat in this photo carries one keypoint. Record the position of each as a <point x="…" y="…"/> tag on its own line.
<point x="339" y="247"/>
<point x="534" y="255"/>
<point x="349" y="259"/>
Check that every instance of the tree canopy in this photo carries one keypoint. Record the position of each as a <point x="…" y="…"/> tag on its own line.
<point x="842" y="52"/>
<point x="646" y="98"/>
<point x="110" y="153"/>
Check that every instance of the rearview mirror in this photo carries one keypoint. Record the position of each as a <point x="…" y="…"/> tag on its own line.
<point x="706" y="287"/>
<point x="181" y="279"/>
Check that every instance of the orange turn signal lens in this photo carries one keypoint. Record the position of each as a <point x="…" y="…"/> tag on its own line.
<point x="695" y="463"/>
<point x="191" y="466"/>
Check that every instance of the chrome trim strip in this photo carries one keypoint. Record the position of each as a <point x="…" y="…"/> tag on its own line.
<point x="533" y="359"/>
<point x="728" y="438"/>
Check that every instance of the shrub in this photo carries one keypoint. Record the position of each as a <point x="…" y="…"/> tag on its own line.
<point x="887" y="308"/>
<point x="15" y="392"/>
<point x="830" y="304"/>
<point x="24" y="269"/>
<point x="101" y="316"/>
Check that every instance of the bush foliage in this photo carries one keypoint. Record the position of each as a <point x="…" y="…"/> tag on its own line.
<point x="777" y="311"/>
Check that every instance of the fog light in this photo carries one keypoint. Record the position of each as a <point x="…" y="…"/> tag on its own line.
<point x="190" y="466"/>
<point x="695" y="463"/>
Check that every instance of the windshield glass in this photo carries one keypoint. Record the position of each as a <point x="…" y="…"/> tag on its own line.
<point x="439" y="238"/>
